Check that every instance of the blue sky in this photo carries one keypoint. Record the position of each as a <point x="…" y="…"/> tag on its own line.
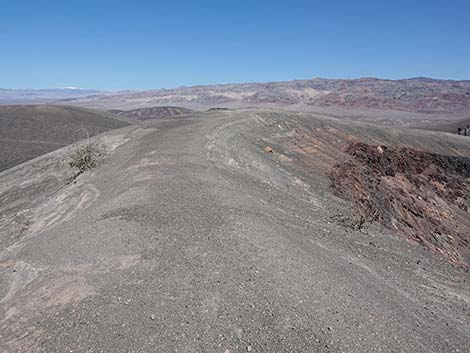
<point x="116" y="45"/>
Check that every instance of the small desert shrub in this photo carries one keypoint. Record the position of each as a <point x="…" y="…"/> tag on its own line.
<point x="365" y="213"/>
<point x="84" y="158"/>
<point x="360" y="216"/>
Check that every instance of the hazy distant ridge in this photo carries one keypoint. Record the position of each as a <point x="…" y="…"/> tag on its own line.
<point x="8" y="96"/>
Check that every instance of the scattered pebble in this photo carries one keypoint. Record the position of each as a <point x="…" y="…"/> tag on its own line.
<point x="268" y="149"/>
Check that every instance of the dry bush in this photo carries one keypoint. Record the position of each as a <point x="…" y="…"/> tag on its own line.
<point x="364" y="214"/>
<point x="359" y="217"/>
<point x="84" y="158"/>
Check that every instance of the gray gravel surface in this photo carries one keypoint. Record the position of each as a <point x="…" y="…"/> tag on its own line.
<point x="189" y="237"/>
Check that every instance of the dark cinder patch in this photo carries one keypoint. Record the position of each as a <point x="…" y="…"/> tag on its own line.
<point x="422" y="196"/>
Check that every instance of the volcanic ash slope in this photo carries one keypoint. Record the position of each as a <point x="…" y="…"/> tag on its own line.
<point x="235" y="231"/>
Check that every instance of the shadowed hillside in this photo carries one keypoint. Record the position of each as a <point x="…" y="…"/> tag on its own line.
<point x="27" y="131"/>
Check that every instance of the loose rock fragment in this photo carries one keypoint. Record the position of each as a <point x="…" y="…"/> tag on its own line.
<point x="268" y="149"/>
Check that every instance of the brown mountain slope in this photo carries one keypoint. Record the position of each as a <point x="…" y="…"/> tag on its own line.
<point x="413" y="95"/>
<point x="27" y="131"/>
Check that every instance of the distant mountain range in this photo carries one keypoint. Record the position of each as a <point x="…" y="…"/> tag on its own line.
<point x="421" y="95"/>
<point x="417" y="95"/>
